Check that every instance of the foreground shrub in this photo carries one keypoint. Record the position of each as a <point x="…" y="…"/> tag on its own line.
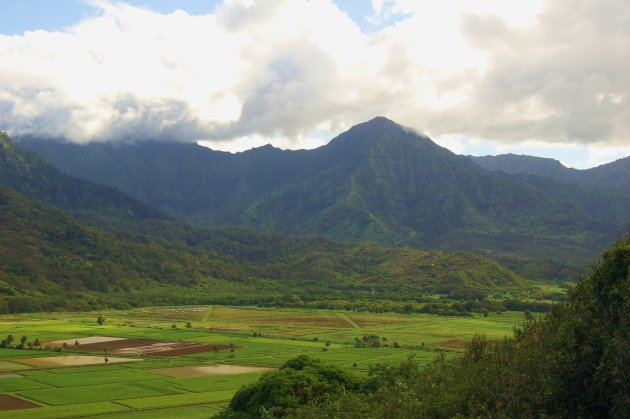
<point x="299" y="382"/>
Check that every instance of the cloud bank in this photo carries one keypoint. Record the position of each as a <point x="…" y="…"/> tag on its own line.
<point x="287" y="70"/>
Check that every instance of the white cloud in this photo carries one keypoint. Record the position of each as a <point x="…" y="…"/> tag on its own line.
<point x="287" y="70"/>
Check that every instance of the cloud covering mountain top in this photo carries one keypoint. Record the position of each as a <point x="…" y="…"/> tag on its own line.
<point x="287" y="71"/>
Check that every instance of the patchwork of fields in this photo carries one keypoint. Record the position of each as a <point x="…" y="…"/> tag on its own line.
<point x="235" y="345"/>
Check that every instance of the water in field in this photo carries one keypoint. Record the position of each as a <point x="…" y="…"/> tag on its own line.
<point x="204" y="370"/>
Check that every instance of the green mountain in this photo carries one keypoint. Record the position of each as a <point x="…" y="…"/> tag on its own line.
<point x="33" y="176"/>
<point x="50" y="259"/>
<point x="614" y="175"/>
<point x="379" y="181"/>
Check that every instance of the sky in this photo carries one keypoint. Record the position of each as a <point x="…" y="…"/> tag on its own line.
<point x="549" y="78"/>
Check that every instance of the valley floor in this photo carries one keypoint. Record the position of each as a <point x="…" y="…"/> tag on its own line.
<point x="182" y="361"/>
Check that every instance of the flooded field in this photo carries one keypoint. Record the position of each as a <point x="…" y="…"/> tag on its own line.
<point x="205" y="370"/>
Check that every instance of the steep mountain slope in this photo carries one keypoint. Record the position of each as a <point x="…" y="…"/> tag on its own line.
<point x="378" y="181"/>
<point x="50" y="260"/>
<point x="33" y="176"/>
<point x="614" y="175"/>
<point x="183" y="179"/>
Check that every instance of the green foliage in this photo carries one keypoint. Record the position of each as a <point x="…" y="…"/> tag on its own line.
<point x="572" y="362"/>
<point x="368" y="341"/>
<point x="31" y="175"/>
<point x="300" y="381"/>
<point x="50" y="260"/>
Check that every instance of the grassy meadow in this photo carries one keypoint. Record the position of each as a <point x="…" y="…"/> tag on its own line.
<point x="158" y="386"/>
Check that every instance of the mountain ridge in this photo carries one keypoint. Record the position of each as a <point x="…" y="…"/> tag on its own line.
<point x="377" y="181"/>
<point x="49" y="259"/>
<point x="613" y="175"/>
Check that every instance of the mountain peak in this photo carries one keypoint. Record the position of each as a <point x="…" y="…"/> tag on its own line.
<point x="381" y="123"/>
<point x="381" y="120"/>
<point x="378" y="132"/>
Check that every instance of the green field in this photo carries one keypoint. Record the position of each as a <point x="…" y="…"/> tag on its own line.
<point x="257" y="336"/>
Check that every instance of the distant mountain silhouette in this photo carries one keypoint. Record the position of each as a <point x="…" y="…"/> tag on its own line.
<point x="614" y="175"/>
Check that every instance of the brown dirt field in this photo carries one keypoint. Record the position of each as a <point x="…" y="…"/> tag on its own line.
<point x="8" y="402"/>
<point x="323" y="321"/>
<point x="111" y="345"/>
<point x="194" y="313"/>
<point x="452" y="344"/>
<point x="369" y="321"/>
<point x="87" y="340"/>
<point x="148" y="347"/>
<point x="243" y="316"/>
<point x="189" y="350"/>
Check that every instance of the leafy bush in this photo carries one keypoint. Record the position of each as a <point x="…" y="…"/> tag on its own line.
<point x="300" y="381"/>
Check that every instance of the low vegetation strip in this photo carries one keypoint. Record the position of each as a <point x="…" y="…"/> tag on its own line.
<point x="179" y="399"/>
<point x="79" y="410"/>
<point x="80" y="379"/>
<point x="98" y="393"/>
<point x="188" y="412"/>
<point x="69" y="360"/>
<point x="19" y="384"/>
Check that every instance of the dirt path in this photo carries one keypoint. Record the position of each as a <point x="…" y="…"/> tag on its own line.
<point x="348" y="320"/>
<point x="207" y="315"/>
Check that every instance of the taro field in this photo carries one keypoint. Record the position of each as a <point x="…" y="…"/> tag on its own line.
<point x="189" y="361"/>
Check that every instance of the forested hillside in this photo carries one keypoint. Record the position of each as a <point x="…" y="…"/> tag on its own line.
<point x="52" y="260"/>
<point x="32" y="176"/>
<point x="379" y="181"/>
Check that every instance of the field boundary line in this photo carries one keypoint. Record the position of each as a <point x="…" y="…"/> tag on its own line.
<point x="207" y="315"/>
<point x="348" y="320"/>
<point x="153" y="409"/>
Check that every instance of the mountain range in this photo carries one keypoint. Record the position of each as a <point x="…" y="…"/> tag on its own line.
<point x="68" y="243"/>
<point x="614" y="175"/>
<point x="378" y="181"/>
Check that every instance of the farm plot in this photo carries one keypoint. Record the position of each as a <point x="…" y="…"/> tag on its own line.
<point x="194" y="370"/>
<point x="176" y="313"/>
<point x="8" y="402"/>
<point x="73" y="360"/>
<point x="217" y="369"/>
<point x="90" y="340"/>
<point x="125" y="346"/>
